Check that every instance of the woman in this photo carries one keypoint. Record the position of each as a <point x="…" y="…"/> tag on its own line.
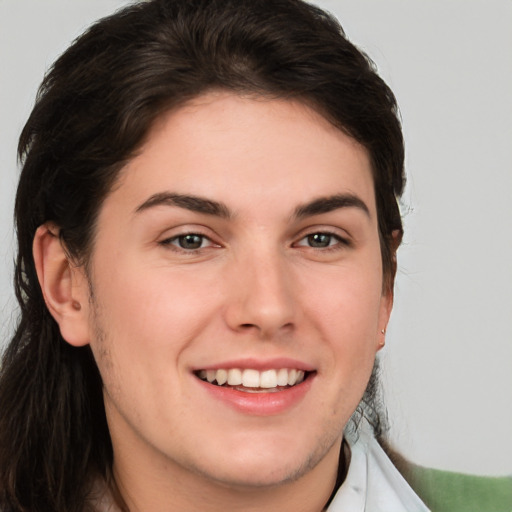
<point x="207" y="224"/>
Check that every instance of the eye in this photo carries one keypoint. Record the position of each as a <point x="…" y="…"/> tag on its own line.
<point x="321" y="240"/>
<point x="189" y="241"/>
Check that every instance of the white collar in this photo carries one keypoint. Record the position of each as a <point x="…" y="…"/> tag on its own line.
<point x="373" y="484"/>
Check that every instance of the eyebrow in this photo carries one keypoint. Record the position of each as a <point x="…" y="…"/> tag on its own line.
<point x="189" y="202"/>
<point x="210" y="207"/>
<point x="330" y="203"/>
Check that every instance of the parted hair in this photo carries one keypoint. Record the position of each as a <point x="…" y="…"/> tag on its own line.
<point x="93" y="111"/>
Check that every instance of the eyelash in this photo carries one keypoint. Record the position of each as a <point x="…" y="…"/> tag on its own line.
<point x="175" y="242"/>
<point x="340" y="242"/>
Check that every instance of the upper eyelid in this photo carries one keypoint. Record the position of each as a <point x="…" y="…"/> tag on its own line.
<point x="340" y="239"/>
<point x="329" y="230"/>
<point x="171" y="244"/>
<point x="187" y="229"/>
<point x="342" y="236"/>
<point x="204" y="231"/>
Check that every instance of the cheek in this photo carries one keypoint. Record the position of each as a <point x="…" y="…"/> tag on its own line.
<point x="346" y="301"/>
<point x="153" y="311"/>
<point x="346" y="312"/>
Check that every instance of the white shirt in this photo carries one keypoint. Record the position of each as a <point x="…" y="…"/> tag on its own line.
<point x="373" y="484"/>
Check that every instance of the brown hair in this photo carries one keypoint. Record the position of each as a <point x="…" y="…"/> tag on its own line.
<point x="93" y="111"/>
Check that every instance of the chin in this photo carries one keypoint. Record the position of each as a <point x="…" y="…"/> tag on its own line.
<point x="266" y="466"/>
<point x="257" y="475"/>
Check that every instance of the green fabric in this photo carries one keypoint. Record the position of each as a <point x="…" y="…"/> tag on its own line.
<point x="444" y="491"/>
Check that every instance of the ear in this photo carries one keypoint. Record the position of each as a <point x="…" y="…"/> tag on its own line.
<point x="386" y="305"/>
<point x="64" y="285"/>
<point x="388" y="291"/>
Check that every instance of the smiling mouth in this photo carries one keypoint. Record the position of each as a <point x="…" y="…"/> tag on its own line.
<point x="254" y="381"/>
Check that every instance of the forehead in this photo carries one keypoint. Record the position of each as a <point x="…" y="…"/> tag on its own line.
<point x="236" y="148"/>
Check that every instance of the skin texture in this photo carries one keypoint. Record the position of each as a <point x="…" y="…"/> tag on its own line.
<point x="256" y="289"/>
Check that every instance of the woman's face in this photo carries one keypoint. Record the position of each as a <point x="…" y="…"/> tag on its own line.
<point x="241" y="243"/>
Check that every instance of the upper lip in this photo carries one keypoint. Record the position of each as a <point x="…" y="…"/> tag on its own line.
<point x="259" y="364"/>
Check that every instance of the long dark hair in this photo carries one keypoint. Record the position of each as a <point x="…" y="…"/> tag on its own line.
<point x="93" y="112"/>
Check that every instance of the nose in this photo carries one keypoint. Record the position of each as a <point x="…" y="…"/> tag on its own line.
<point x="261" y="297"/>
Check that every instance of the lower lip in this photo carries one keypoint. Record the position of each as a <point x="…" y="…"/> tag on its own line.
<point x="261" y="403"/>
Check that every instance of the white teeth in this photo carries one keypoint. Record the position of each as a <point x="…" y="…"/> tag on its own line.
<point x="250" y="378"/>
<point x="234" y="377"/>
<point x="222" y="377"/>
<point x="282" y="377"/>
<point x="268" y="379"/>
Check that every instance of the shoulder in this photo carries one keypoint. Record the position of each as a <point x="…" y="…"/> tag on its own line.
<point x="445" y="491"/>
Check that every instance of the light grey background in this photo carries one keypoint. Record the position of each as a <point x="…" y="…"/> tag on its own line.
<point x="448" y="361"/>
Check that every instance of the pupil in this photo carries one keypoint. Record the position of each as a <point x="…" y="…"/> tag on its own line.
<point x="319" y="240"/>
<point x="190" y="241"/>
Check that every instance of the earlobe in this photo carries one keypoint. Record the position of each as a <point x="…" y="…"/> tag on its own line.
<point x="64" y="285"/>
<point x="386" y="305"/>
<point x="382" y="340"/>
